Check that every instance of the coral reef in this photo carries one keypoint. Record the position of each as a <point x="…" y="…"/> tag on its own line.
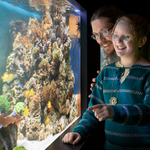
<point x="39" y="81"/>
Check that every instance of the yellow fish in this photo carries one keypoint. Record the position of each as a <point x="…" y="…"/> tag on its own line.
<point x="47" y="121"/>
<point x="7" y="77"/>
<point x="26" y="111"/>
<point x="31" y="92"/>
<point x="49" y="106"/>
<point x="27" y="93"/>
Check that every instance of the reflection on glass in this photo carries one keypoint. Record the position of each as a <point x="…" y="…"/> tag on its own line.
<point x="106" y="59"/>
<point x="39" y="69"/>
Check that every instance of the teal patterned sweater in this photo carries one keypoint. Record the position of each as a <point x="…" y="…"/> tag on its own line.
<point x="130" y="126"/>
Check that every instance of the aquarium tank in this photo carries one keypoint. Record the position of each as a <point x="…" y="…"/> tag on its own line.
<point x="40" y="69"/>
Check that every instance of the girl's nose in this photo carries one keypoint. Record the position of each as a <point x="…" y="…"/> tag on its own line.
<point x="119" y="40"/>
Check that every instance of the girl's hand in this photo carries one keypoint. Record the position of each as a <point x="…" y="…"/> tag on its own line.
<point x="102" y="111"/>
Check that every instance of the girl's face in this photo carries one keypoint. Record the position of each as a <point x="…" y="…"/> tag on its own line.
<point x="122" y="47"/>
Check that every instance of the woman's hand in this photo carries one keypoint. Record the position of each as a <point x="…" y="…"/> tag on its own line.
<point x="102" y="111"/>
<point x="72" y="138"/>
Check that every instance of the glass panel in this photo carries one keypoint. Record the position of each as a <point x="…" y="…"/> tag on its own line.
<point x="106" y="59"/>
<point x="39" y="69"/>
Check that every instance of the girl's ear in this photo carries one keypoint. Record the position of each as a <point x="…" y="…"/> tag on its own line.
<point x="142" y="41"/>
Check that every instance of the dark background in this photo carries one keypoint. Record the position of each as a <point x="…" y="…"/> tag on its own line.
<point x="141" y="7"/>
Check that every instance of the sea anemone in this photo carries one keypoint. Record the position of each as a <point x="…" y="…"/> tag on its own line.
<point x="49" y="93"/>
<point x="20" y="107"/>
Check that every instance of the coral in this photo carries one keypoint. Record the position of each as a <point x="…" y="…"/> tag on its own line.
<point x="63" y="97"/>
<point x="4" y="104"/>
<point x="34" y="103"/>
<point x="54" y="67"/>
<point x="61" y="124"/>
<point x="44" y="63"/>
<point x="20" y="107"/>
<point x="74" y="111"/>
<point x="33" y="124"/>
<point x="12" y="118"/>
<point x="35" y="52"/>
<point x="20" y="148"/>
<point x="56" y="53"/>
<point x="18" y="26"/>
<point x="49" y="93"/>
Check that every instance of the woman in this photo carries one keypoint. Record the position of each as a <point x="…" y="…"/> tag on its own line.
<point x="121" y="96"/>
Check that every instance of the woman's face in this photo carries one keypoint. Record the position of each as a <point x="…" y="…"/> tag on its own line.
<point x="125" y="49"/>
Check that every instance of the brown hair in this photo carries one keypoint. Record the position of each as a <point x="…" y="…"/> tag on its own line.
<point x="139" y="25"/>
<point x="109" y="11"/>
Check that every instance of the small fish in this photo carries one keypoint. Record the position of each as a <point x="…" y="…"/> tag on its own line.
<point x="21" y="85"/>
<point x="31" y="92"/>
<point x="49" y="106"/>
<point x="26" y="111"/>
<point x="27" y="93"/>
<point x="47" y="121"/>
<point x="7" y="77"/>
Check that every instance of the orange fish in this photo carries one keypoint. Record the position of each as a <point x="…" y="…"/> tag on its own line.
<point x="49" y="106"/>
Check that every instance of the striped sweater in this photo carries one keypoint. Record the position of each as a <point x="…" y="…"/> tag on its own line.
<point x="130" y="126"/>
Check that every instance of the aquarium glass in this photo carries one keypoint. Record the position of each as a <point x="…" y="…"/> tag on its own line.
<point x="39" y="68"/>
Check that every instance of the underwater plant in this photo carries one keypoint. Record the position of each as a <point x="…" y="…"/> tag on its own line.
<point x="20" y="108"/>
<point x="19" y="148"/>
<point x="4" y="104"/>
<point x="44" y="63"/>
<point x="66" y="70"/>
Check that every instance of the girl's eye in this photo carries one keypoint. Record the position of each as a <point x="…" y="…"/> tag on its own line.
<point x="125" y="38"/>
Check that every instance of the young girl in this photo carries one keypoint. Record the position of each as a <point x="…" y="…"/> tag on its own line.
<point x="121" y="95"/>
